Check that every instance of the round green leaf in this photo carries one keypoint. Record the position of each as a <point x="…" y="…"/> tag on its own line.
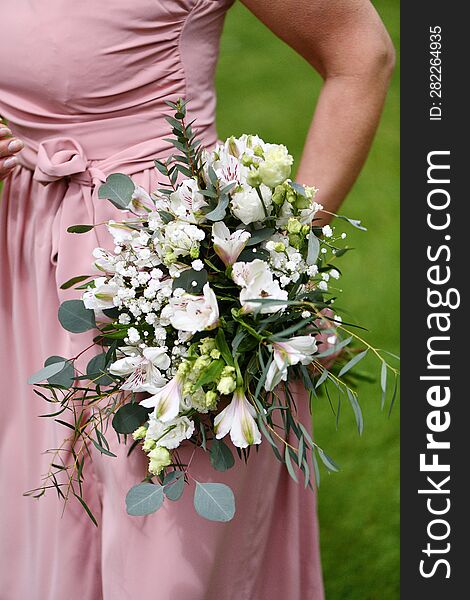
<point x="214" y="501"/>
<point x="74" y="317"/>
<point x="66" y="376"/>
<point x="144" y="499"/>
<point x="221" y="456"/>
<point x="129" y="417"/>
<point x="96" y="370"/>
<point x="188" y="277"/>
<point x="118" y="189"/>
<point x="46" y="372"/>
<point x="173" y="485"/>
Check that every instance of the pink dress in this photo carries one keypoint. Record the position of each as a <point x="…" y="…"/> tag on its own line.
<point x="83" y="84"/>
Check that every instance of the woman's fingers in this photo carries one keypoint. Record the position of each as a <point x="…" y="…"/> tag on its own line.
<point x="9" y="147"/>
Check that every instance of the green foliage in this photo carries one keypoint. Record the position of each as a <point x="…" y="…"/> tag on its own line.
<point x="74" y="317"/>
<point x="214" y="501"/>
<point x="118" y="189"/>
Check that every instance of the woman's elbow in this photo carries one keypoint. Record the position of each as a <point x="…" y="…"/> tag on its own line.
<point x="380" y="58"/>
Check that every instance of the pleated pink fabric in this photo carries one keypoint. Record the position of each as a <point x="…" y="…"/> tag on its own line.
<point x="84" y="85"/>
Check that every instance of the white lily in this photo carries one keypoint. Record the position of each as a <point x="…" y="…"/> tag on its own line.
<point x="238" y="419"/>
<point x="166" y="402"/>
<point x="257" y="281"/>
<point x="228" y="246"/>
<point x="143" y="370"/>
<point x="298" y="349"/>
<point x="194" y="313"/>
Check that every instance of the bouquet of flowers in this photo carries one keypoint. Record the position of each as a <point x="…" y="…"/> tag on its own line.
<point x="218" y="294"/>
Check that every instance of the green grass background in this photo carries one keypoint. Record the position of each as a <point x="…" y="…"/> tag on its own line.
<point x="265" y="88"/>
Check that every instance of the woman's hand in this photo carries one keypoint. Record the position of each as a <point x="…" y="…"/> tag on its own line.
<point x="9" y="148"/>
<point x="346" y="42"/>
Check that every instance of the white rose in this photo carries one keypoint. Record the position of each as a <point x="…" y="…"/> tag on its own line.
<point x="170" y="434"/>
<point x="276" y="166"/>
<point x="247" y="205"/>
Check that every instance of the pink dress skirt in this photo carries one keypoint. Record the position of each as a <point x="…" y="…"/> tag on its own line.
<point x="84" y="85"/>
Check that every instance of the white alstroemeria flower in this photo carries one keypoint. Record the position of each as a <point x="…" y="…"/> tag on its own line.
<point x="257" y="281"/>
<point x="191" y="313"/>
<point x="105" y="261"/>
<point x="298" y="349"/>
<point x="186" y="202"/>
<point x="120" y="232"/>
<point x="276" y="167"/>
<point x="143" y="370"/>
<point x="247" y="205"/>
<point x="169" y="434"/>
<point x="238" y="419"/>
<point x="228" y="246"/>
<point x="141" y="202"/>
<point x="166" y="402"/>
<point x="101" y="296"/>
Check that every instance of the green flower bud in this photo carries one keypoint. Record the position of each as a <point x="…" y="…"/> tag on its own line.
<point x="169" y="258"/>
<point x="159" y="459"/>
<point x="202" y="362"/>
<point x="279" y="247"/>
<point x="140" y="433"/>
<point x="211" y="399"/>
<point x="291" y="196"/>
<point x="206" y="345"/>
<point x="246" y="160"/>
<point x="226" y="385"/>
<point x="184" y="368"/>
<point x="294" y="226"/>
<point x="148" y="445"/>
<point x="295" y="240"/>
<point x="279" y="194"/>
<point x="227" y="371"/>
<point x="253" y="178"/>
<point x="232" y="147"/>
<point x="258" y="151"/>
<point x="194" y="252"/>
<point x="305" y="229"/>
<point x="215" y="354"/>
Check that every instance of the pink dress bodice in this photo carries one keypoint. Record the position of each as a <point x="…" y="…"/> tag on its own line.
<point x="100" y="72"/>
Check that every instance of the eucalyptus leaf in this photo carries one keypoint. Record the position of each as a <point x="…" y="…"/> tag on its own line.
<point x="188" y="277"/>
<point x="96" y="370"/>
<point x="118" y="189"/>
<point x="144" y="499"/>
<point x="259" y="235"/>
<point x="313" y="248"/>
<point x="249" y="254"/>
<point x="218" y="214"/>
<point x="214" y="501"/>
<point x="173" y="485"/>
<point x="46" y="372"/>
<point x="335" y="348"/>
<point x="221" y="456"/>
<point x="357" y="410"/>
<point x="129" y="417"/>
<point x="383" y="382"/>
<point x="74" y="317"/>
<point x="327" y="461"/>
<point x="349" y="365"/>
<point x="66" y="376"/>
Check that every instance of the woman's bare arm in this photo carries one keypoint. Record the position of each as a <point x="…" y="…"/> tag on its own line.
<point x="346" y="42"/>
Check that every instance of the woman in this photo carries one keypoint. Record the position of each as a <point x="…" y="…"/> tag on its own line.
<point x="83" y="88"/>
